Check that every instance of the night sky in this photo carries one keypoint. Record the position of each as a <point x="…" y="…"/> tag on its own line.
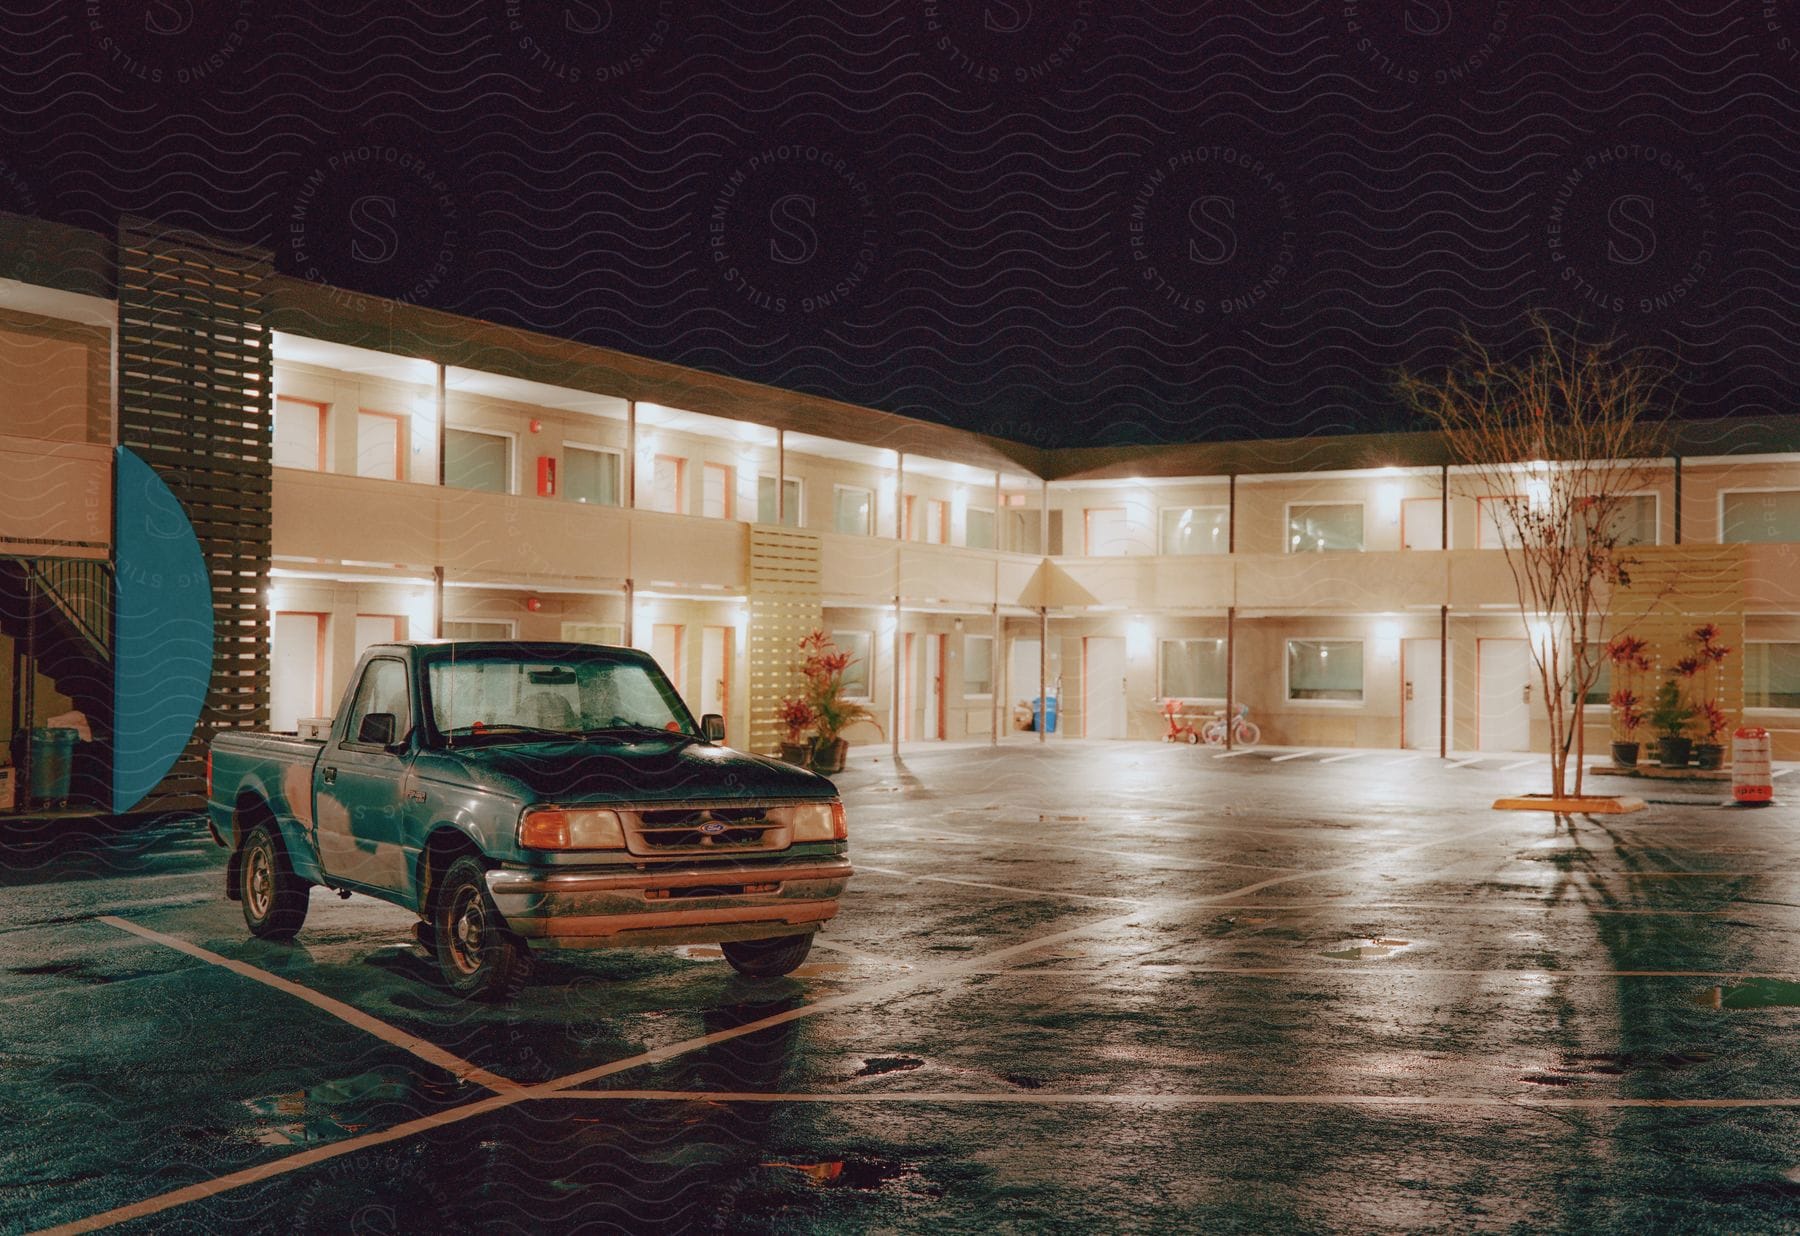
<point x="1064" y="222"/>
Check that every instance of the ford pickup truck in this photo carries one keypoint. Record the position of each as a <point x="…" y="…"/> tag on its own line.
<point x="520" y="794"/>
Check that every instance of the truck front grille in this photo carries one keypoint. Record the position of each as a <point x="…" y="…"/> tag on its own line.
<point x="705" y="829"/>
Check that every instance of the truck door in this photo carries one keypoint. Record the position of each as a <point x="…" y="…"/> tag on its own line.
<point x="361" y="780"/>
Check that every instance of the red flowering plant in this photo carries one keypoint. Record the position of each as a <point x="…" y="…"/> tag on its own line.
<point x="1708" y="667"/>
<point x="822" y="665"/>
<point x="1630" y="657"/>
<point x="796" y="716"/>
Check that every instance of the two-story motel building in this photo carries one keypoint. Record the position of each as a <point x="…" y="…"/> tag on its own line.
<point x="431" y="475"/>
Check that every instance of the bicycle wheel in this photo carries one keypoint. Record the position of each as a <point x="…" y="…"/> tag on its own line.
<point x="1248" y="735"/>
<point x="1213" y="734"/>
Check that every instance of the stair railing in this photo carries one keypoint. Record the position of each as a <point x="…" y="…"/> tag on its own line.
<point x="81" y="590"/>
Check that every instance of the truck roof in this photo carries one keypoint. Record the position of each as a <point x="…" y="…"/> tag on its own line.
<point x="533" y="646"/>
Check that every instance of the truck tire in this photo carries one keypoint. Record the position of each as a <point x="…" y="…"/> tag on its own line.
<point x="273" y="897"/>
<point x="480" y="958"/>
<point x="767" y="958"/>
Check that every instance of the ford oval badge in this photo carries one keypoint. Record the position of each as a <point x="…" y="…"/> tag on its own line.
<point x="712" y="828"/>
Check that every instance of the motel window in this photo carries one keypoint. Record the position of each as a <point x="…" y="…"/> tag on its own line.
<point x="668" y="478"/>
<point x="718" y="484"/>
<point x="609" y="633"/>
<point x="1600" y="694"/>
<point x="978" y="665"/>
<point x="765" y="502"/>
<point x="1191" y="669"/>
<point x="1634" y="519"/>
<point x="476" y="460"/>
<point x="854" y="510"/>
<point x="1325" y="669"/>
<point x="591" y="476"/>
<point x="478" y="629"/>
<point x="1324" y="527"/>
<point x="856" y="674"/>
<point x="1196" y="530"/>
<point x="1771" y="675"/>
<point x="1760" y="517"/>
<point x="380" y="445"/>
<point x="978" y="528"/>
<point x="299" y="434"/>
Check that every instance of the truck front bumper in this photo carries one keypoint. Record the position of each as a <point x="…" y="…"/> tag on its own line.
<point x="687" y="905"/>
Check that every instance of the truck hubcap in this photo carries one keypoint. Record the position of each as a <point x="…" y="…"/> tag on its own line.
<point x="261" y="882"/>
<point x="467" y="929"/>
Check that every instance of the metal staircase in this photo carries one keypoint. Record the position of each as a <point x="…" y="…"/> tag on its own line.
<point x="58" y="614"/>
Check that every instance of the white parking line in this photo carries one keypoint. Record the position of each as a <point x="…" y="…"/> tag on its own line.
<point x="1292" y="755"/>
<point x="1339" y="759"/>
<point x="429" y="1052"/>
<point x="1034" y="1098"/>
<point x="1475" y="759"/>
<point x="1232" y="755"/>
<point x="1780" y="772"/>
<point x="1519" y="765"/>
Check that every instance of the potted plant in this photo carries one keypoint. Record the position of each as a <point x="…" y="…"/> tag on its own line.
<point x="822" y="665"/>
<point x="796" y="716"/>
<point x="1630" y="657"/>
<point x="1710" y="655"/>
<point x="1669" y="717"/>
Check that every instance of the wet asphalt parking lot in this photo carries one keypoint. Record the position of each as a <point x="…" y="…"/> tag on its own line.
<point x="1094" y="987"/>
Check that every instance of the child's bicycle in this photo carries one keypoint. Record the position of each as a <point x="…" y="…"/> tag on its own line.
<point x="1181" y="726"/>
<point x="1244" y="732"/>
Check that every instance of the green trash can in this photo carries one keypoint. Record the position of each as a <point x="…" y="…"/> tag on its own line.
<point x="52" y="756"/>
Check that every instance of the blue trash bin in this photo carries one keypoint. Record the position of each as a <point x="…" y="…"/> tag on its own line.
<point x="1043" y="718"/>
<point x="52" y="756"/>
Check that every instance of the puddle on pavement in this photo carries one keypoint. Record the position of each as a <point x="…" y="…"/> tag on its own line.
<point x="851" y="1172"/>
<point x="875" y="1066"/>
<point x="1367" y="947"/>
<point x="1754" y="993"/>
<point x="814" y="969"/>
<point x="700" y="952"/>
<point x="327" y="1111"/>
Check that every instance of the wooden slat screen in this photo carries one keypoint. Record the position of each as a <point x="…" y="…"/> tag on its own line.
<point x="195" y="381"/>
<point x="785" y="604"/>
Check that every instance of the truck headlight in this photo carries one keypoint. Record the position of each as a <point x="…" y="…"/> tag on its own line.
<point x="571" y="830"/>
<point x="820" y="822"/>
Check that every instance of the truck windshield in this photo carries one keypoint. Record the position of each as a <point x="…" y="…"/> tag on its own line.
<point x="483" y="692"/>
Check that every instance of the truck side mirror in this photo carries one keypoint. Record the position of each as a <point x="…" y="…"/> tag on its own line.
<point x="712" y="727"/>
<point x="377" y="729"/>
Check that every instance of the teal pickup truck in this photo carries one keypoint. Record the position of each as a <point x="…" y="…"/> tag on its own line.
<point x="515" y="793"/>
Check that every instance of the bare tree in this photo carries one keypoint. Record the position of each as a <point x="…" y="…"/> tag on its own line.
<point x="1552" y="444"/>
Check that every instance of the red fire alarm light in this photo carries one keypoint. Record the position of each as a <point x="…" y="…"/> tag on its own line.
<point x="533" y="604"/>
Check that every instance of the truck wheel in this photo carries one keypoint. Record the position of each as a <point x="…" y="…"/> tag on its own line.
<point x="767" y="958"/>
<point x="274" y="898"/>
<point x="480" y="958"/>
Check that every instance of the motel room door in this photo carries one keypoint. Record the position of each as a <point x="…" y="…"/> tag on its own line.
<point x="935" y="648"/>
<point x="1421" y="692"/>
<point x="1103" y="687"/>
<point x="1503" y="694"/>
<point x="1022" y="677"/>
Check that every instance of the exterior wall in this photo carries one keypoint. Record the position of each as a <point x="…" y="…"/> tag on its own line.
<point x="343" y="534"/>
